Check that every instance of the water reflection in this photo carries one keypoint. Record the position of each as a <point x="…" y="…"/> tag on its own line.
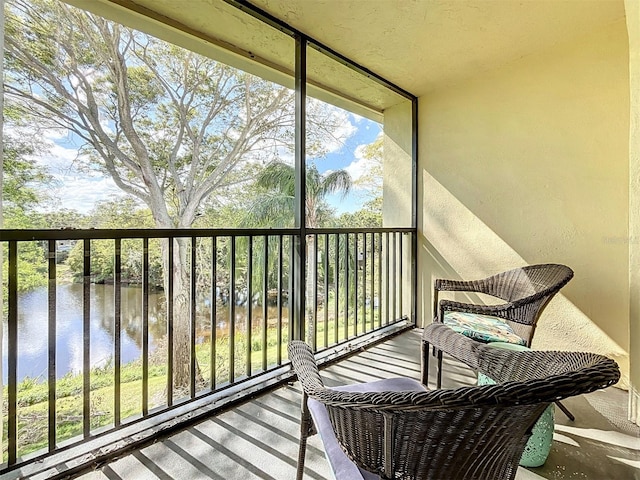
<point x="33" y="327"/>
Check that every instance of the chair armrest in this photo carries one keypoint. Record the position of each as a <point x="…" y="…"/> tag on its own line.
<point x="449" y="341"/>
<point x="443" y="284"/>
<point x="542" y="371"/>
<point x="484" y="286"/>
<point x="494" y="310"/>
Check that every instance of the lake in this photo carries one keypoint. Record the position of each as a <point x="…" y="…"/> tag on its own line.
<point x="33" y="328"/>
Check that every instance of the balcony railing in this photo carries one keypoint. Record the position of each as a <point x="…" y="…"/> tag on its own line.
<point x="206" y="309"/>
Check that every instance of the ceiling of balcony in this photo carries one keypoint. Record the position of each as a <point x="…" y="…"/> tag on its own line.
<point x="420" y="45"/>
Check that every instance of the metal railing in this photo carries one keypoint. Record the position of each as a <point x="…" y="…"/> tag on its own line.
<point x="219" y="302"/>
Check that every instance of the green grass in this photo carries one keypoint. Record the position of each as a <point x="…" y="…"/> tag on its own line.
<point x="33" y="408"/>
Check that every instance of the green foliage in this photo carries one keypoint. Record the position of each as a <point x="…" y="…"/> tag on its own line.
<point x="62" y="218"/>
<point x="32" y="265"/>
<point x="118" y="214"/>
<point x="369" y="216"/>
<point x="23" y="176"/>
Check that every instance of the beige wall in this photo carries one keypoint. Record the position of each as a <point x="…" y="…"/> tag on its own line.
<point x="633" y="28"/>
<point x="396" y="207"/>
<point x="529" y="164"/>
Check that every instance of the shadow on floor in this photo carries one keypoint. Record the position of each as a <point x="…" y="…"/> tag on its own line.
<point x="259" y="439"/>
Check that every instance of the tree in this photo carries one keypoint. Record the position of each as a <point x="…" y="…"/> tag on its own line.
<point x="275" y="207"/>
<point x="169" y="126"/>
<point x="369" y="216"/>
<point x="23" y="177"/>
<point x="118" y="214"/>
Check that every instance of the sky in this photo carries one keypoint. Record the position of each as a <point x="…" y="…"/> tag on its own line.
<point x="350" y="158"/>
<point x="75" y="190"/>
<point x="80" y="190"/>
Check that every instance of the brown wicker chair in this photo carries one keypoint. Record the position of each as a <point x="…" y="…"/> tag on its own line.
<point x="410" y="433"/>
<point x="526" y="291"/>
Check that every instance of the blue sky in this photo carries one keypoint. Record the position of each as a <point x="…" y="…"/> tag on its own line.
<point x="348" y="157"/>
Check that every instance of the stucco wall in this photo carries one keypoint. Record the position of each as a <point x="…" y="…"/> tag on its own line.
<point x="396" y="206"/>
<point x="530" y="164"/>
<point x="633" y="28"/>
<point x="396" y="171"/>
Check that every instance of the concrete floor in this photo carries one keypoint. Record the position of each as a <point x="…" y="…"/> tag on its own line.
<point x="259" y="439"/>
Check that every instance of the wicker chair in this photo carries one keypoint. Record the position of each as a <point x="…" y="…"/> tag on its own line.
<point x="407" y="432"/>
<point x="526" y="291"/>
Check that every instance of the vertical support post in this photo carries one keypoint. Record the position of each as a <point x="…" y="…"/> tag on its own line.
<point x="265" y="306"/>
<point x="249" y="323"/>
<point x="380" y="297"/>
<point x="346" y="286"/>
<point x="300" y="187"/>
<point x="325" y="268"/>
<point x="394" y="276"/>
<point x="192" y="319"/>
<point x="86" y="335"/>
<point x="291" y="285"/>
<point x="170" y="285"/>
<point x="117" y="330"/>
<point x="401" y="274"/>
<point x="336" y="274"/>
<point x="356" y="258"/>
<point x="279" y="299"/>
<point x="314" y="299"/>
<point x="51" y="369"/>
<point x="372" y="295"/>
<point x="214" y="308"/>
<point x="414" y="210"/>
<point x="145" y="326"/>
<point x="1" y="205"/>
<point x="232" y="309"/>
<point x="12" y="354"/>
<point x="364" y="282"/>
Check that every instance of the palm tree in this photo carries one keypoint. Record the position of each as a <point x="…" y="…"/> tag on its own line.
<point x="275" y="207"/>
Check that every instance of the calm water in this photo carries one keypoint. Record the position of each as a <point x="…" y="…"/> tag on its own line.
<point x="33" y="328"/>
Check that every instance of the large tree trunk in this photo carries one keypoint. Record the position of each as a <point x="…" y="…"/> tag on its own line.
<point x="181" y="333"/>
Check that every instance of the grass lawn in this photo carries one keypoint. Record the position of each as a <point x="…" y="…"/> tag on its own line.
<point x="33" y="407"/>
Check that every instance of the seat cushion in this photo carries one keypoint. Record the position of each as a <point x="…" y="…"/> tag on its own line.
<point x="483" y="328"/>
<point x="342" y="467"/>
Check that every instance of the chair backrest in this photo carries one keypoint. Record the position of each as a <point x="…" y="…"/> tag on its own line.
<point x="526" y="284"/>
<point x="527" y="290"/>
<point x="469" y="432"/>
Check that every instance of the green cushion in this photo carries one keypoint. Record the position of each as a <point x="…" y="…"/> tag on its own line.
<point x="483" y="328"/>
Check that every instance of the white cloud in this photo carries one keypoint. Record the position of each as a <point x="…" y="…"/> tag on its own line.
<point x="359" y="167"/>
<point x="82" y="193"/>
<point x="59" y="159"/>
<point x="323" y="115"/>
<point x="72" y="188"/>
<point x="358" y="118"/>
<point x="55" y="134"/>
